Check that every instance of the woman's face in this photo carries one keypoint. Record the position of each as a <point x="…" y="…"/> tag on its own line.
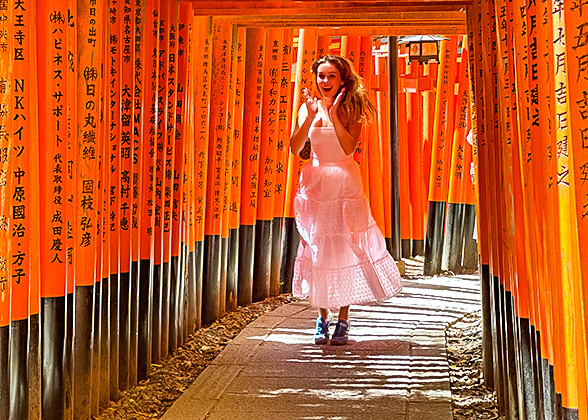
<point x="328" y="80"/>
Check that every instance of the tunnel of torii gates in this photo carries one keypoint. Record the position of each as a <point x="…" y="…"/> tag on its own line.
<point x="147" y="186"/>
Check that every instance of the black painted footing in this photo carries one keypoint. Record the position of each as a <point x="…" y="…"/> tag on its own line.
<point x="290" y="243"/>
<point x="34" y="366"/>
<point x="538" y="372"/>
<point x="4" y="383"/>
<point x="199" y="273"/>
<point x="17" y="365"/>
<point x="68" y="357"/>
<point x="124" y="325"/>
<point x="511" y="372"/>
<point x="211" y="279"/>
<point x="145" y="317"/>
<point x="102" y="296"/>
<point x="434" y="238"/>
<point x="525" y="350"/>
<point x="417" y="247"/>
<point x="485" y="285"/>
<point x="174" y="306"/>
<point x="246" y="248"/>
<point x="276" y="261"/>
<point x="233" y="270"/>
<point x="82" y="355"/>
<point x="222" y="290"/>
<point x="470" y="246"/>
<point x="134" y="320"/>
<point x="165" y="305"/>
<point x="498" y="370"/>
<point x="175" y="303"/>
<point x="156" y="313"/>
<point x="114" y="299"/>
<point x="406" y="248"/>
<point x="96" y="347"/>
<point x="453" y="240"/>
<point x="263" y="260"/>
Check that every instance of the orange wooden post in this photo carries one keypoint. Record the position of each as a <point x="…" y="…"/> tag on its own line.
<point x="576" y="52"/>
<point x="573" y="360"/>
<point x="112" y="162"/>
<point x="6" y="66"/>
<point x="306" y="55"/>
<point x="87" y="146"/>
<point x="221" y="45"/>
<point x="546" y="170"/>
<point x="137" y="46"/>
<point x="178" y="214"/>
<point x="234" y="207"/>
<point x="266" y="280"/>
<point x="202" y="89"/>
<point x="126" y="48"/>
<point x="414" y="110"/>
<point x="458" y="174"/>
<point x="52" y="111"/>
<point x="23" y="213"/>
<point x="440" y="156"/>
<point x="323" y="43"/>
<point x="188" y="203"/>
<point x="286" y="231"/>
<point x="303" y="77"/>
<point x="149" y="329"/>
<point x="382" y="101"/>
<point x="254" y="64"/>
<point x="146" y="82"/>
<point x="482" y="131"/>
<point x="173" y="174"/>
<point x="262" y="269"/>
<point x="162" y="180"/>
<point x="365" y="69"/>
<point x="403" y="157"/>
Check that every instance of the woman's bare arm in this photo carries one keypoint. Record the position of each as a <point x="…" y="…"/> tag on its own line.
<point x="347" y="132"/>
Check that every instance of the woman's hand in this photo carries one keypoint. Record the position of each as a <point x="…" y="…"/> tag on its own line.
<point x="334" y="109"/>
<point x="311" y="104"/>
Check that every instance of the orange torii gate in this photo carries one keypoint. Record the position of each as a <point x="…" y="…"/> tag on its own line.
<point x="145" y="144"/>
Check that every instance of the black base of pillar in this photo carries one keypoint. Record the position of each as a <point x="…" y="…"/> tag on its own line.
<point x="263" y="260"/>
<point x="124" y="343"/>
<point x="434" y="238"/>
<point x="233" y="270"/>
<point x="134" y="319"/>
<point x="156" y="313"/>
<point x="4" y="382"/>
<point x="211" y="279"/>
<point x="53" y="342"/>
<point x="246" y="248"/>
<point x="406" y="248"/>
<point x="145" y="319"/>
<point x="290" y="243"/>
<point x="82" y="353"/>
<point x="103" y="300"/>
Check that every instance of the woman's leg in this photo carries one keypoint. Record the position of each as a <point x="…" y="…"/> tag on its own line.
<point x="324" y="313"/>
<point x="344" y="313"/>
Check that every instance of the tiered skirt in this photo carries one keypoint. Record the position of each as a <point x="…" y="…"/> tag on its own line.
<point x="342" y="258"/>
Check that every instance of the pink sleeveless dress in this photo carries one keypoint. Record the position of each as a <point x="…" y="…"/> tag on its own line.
<point x="342" y="258"/>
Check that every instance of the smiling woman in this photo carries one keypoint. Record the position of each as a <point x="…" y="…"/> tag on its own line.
<point x="342" y="258"/>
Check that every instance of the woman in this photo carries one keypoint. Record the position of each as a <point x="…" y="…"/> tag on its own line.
<point x="342" y="258"/>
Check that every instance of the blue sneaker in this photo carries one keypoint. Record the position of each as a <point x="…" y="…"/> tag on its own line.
<point x="340" y="336"/>
<point x="321" y="336"/>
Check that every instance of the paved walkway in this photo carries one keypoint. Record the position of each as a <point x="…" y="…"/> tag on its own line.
<point x="394" y="368"/>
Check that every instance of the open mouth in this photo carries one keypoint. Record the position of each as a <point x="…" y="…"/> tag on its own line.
<point x="327" y="89"/>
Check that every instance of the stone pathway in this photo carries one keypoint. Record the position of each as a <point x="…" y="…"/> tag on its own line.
<point x="394" y="367"/>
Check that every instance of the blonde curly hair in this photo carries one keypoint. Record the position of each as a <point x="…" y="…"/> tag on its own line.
<point x="356" y="103"/>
